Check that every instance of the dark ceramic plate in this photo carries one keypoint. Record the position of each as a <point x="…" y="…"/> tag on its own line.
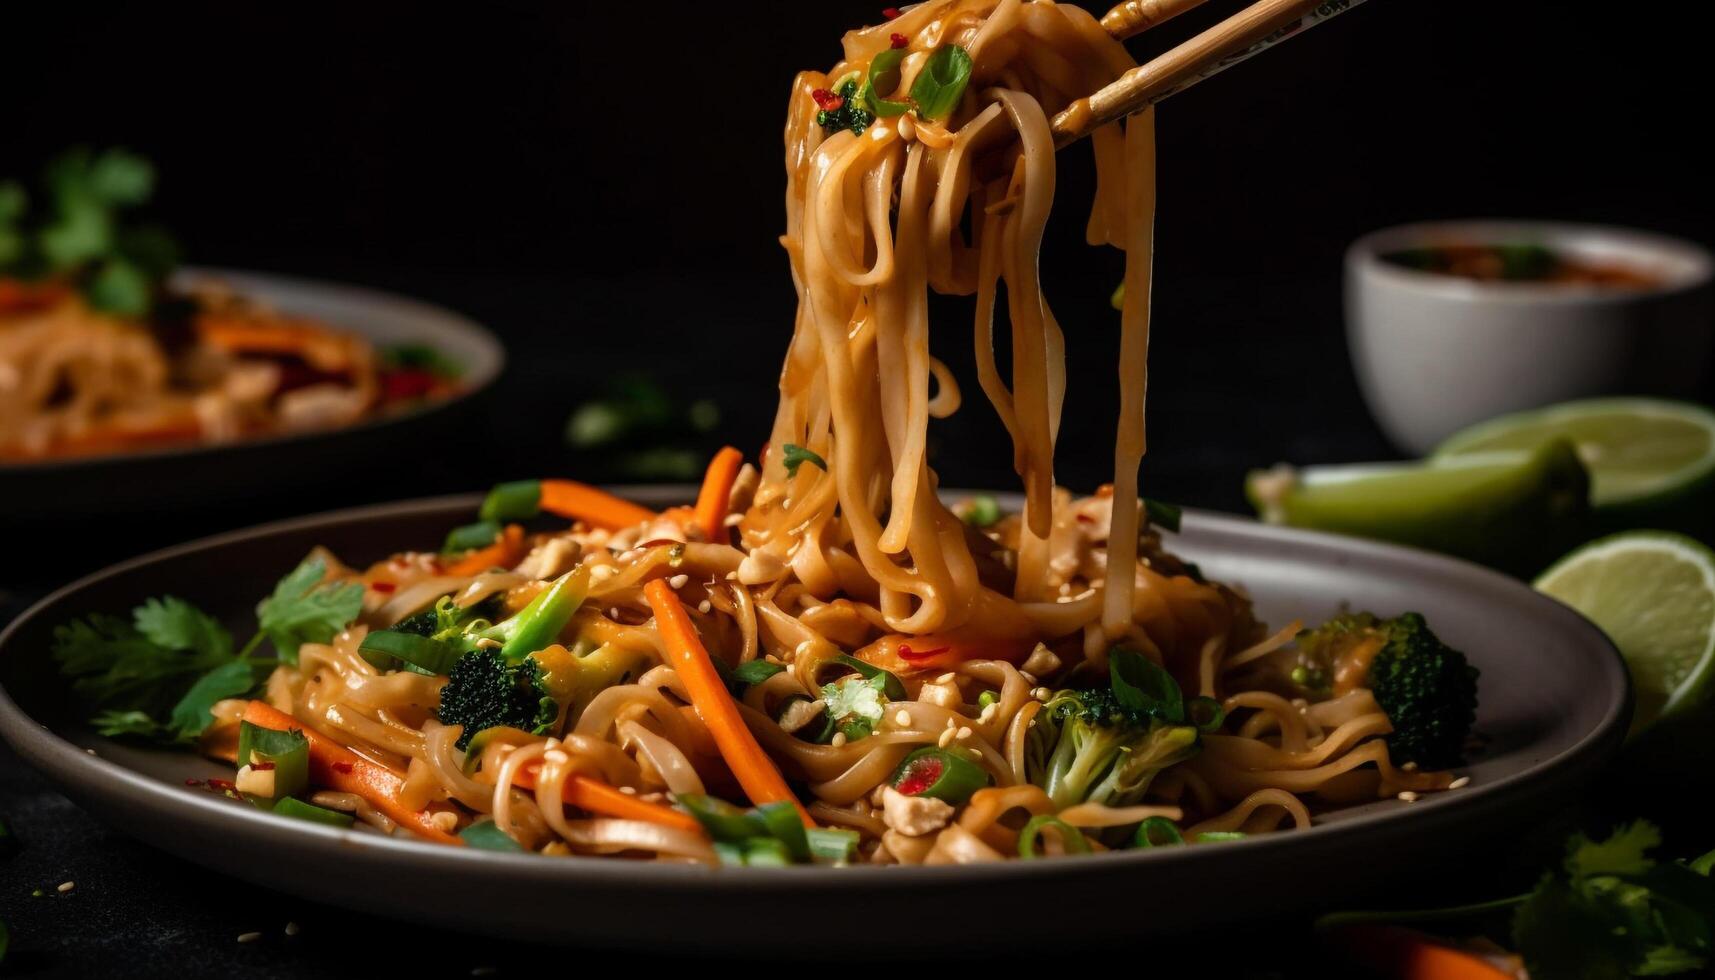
<point x="175" y="477"/>
<point x="1554" y="707"/>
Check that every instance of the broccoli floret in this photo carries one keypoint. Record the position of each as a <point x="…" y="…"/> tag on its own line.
<point x="1087" y="746"/>
<point x="485" y="690"/>
<point x="1428" y="689"/>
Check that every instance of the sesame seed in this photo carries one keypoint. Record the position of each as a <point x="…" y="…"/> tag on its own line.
<point x="445" y="821"/>
<point x="249" y="937"/>
<point x="1409" y="767"/>
<point x="679" y="581"/>
<point x="988" y="713"/>
<point x="733" y="520"/>
<point x="704" y="607"/>
<point x="963" y="733"/>
<point x="902" y="718"/>
<point x="1408" y="796"/>
<point x="946" y="738"/>
<point x="1460" y="783"/>
<point x="291" y="928"/>
<point x="90" y="751"/>
<point x="66" y="886"/>
<point x="628" y="790"/>
<point x="946" y="678"/>
<point x="951" y="723"/>
<point x="838" y="741"/>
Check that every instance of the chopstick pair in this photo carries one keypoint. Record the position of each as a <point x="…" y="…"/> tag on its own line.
<point x="1248" y="32"/>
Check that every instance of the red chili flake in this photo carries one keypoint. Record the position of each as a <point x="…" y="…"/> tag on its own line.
<point x="1086" y="519"/>
<point x="193" y="782"/>
<point x="220" y="785"/>
<point x="906" y="653"/>
<point x="383" y="586"/>
<point x="343" y="768"/>
<point x="890" y="12"/>
<point x="826" y="100"/>
<point x="261" y="766"/>
<point x="899" y="40"/>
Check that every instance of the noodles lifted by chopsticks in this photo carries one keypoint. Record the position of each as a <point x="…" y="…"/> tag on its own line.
<point x="822" y="629"/>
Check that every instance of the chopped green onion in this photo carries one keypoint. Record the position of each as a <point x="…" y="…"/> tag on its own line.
<point x="299" y="810"/>
<point x="288" y="752"/>
<point x="721" y="820"/>
<point x="516" y="501"/>
<point x="486" y="835"/>
<point x="882" y="81"/>
<point x="1214" y="836"/>
<point x="1206" y="713"/>
<point x="941" y="83"/>
<point x="982" y="511"/>
<point x="832" y="844"/>
<point x="784" y="825"/>
<point x="1072" y="839"/>
<point x="470" y="537"/>
<point x="1164" y="516"/>
<point x="432" y="655"/>
<point x="793" y="457"/>
<point x="892" y="687"/>
<point x="987" y="698"/>
<point x="939" y="774"/>
<point x="1157" y="832"/>
<point x="1142" y="685"/>
<point x="757" y="852"/>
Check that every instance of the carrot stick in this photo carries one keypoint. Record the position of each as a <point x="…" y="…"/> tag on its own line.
<point x="596" y="796"/>
<point x="712" y="499"/>
<point x="503" y="553"/>
<point x="598" y="508"/>
<point x="332" y="764"/>
<point x="1405" y="954"/>
<point x="753" y="768"/>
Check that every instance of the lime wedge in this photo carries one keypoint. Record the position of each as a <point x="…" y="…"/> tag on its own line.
<point x="1653" y="593"/>
<point x="1651" y="462"/>
<point x="1514" y="510"/>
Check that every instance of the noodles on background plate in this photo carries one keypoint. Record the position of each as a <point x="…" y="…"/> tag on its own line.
<point x="820" y="633"/>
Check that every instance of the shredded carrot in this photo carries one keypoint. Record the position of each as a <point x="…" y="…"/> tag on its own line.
<point x="597" y="508"/>
<point x="752" y="767"/>
<point x="1405" y="954"/>
<point x="596" y="796"/>
<point x="334" y="765"/>
<point x="505" y="552"/>
<point x="712" y="499"/>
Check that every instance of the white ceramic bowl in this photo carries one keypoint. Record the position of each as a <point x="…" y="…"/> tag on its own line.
<point x="1435" y="353"/>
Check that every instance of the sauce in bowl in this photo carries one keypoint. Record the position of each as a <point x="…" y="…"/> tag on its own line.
<point x="1521" y="263"/>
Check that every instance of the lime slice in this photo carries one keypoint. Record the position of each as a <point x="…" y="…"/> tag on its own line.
<point x="1653" y="593"/>
<point x="1642" y="453"/>
<point x="1515" y="510"/>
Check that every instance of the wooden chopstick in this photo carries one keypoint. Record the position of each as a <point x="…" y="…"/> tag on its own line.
<point x="1240" y="36"/>
<point x="1133" y="17"/>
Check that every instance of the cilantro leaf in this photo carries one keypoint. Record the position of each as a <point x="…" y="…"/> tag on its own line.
<point x="135" y="724"/>
<point x="114" y="665"/>
<point x="230" y="680"/>
<point x="795" y="456"/>
<point x="304" y="609"/>
<point x="1561" y="936"/>
<point x="1621" y="854"/>
<point x="177" y="625"/>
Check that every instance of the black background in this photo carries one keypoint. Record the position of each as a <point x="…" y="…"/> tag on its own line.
<point x="602" y="186"/>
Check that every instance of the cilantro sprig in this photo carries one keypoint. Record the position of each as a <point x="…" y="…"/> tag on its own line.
<point x="1610" y="910"/>
<point x="77" y="229"/>
<point x="157" y="674"/>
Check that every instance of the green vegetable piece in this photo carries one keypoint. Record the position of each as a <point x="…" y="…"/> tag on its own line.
<point x="288" y="752"/>
<point x="1157" y="832"/>
<point x="486" y="835"/>
<point x="849" y="115"/>
<point x="1216" y="836"/>
<point x="832" y="845"/>
<point x="1164" y="516"/>
<point x="119" y="287"/>
<point x="470" y="537"/>
<point x="516" y="501"/>
<point x="193" y="713"/>
<point x="1206" y="713"/>
<point x="722" y="821"/>
<point x="304" y="609"/>
<point x="754" y="671"/>
<point x="1072" y="839"/>
<point x="939" y="774"/>
<point x="1088" y="746"/>
<point x="881" y="81"/>
<point x="982" y="511"/>
<point x="433" y="655"/>
<point x="940" y="84"/>
<point x="782" y="822"/>
<point x="299" y="810"/>
<point x="892" y="687"/>
<point x="175" y="624"/>
<point x="485" y="690"/>
<point x="538" y="624"/>
<point x="793" y="456"/>
<point x="1139" y="684"/>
